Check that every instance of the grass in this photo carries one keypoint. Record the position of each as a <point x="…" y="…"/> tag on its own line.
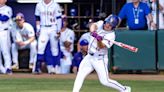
<point x="65" y="85"/>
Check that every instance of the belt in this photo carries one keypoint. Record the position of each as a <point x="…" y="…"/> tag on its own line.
<point x="46" y="25"/>
<point x="93" y="54"/>
<point x="6" y="29"/>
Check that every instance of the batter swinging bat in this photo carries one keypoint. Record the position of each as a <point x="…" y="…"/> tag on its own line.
<point x="123" y="45"/>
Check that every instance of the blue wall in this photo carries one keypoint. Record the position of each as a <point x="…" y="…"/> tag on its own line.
<point x="27" y="9"/>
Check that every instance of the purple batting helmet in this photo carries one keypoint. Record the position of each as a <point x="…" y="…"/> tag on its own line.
<point x="113" y="20"/>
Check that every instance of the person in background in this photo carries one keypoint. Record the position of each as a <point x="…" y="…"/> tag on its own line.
<point x="23" y="35"/>
<point x="136" y="14"/>
<point x="161" y="12"/>
<point x="6" y="14"/>
<point x="67" y="37"/>
<point x="48" y="24"/>
<point x="79" y="55"/>
<point x="85" y="35"/>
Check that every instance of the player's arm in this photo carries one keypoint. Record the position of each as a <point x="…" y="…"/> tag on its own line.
<point x="58" y="17"/>
<point x="31" y="39"/>
<point x="37" y="23"/>
<point x="93" y="27"/>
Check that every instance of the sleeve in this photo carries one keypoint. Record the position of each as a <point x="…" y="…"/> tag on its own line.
<point x="37" y="11"/>
<point x="58" y="17"/>
<point x="122" y="13"/>
<point x="31" y="31"/>
<point x="71" y="37"/>
<point x="147" y="9"/>
<point x="7" y="16"/>
<point x="110" y="36"/>
<point x="99" y="24"/>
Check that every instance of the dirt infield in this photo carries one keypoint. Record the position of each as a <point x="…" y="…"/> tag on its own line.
<point x="91" y="76"/>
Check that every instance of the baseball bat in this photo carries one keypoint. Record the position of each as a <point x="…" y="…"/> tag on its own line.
<point x="123" y="45"/>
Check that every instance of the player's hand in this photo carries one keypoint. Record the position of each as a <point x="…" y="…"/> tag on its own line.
<point x="153" y="25"/>
<point x="99" y="38"/>
<point x="58" y="34"/>
<point x="94" y="34"/>
<point x="74" y="70"/>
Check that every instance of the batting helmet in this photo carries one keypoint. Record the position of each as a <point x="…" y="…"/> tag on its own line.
<point x="113" y="20"/>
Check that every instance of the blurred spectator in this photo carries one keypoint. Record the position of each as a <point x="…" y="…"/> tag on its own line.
<point x="23" y="37"/>
<point x="67" y="37"/>
<point x="161" y="12"/>
<point x="5" y="43"/>
<point x="136" y="14"/>
<point x="79" y="55"/>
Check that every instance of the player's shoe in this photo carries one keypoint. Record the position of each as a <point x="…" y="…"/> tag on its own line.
<point x="15" y="66"/>
<point x="37" y="71"/>
<point x="31" y="66"/>
<point x="9" y="71"/>
<point x="128" y="89"/>
<point x="51" y="69"/>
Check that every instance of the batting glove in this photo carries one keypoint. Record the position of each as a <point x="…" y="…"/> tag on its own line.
<point x="99" y="38"/>
<point x="94" y="34"/>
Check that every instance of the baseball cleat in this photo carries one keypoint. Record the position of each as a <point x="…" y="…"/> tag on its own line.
<point x="31" y="66"/>
<point x="15" y="66"/>
<point x="37" y="71"/>
<point x="9" y="72"/>
<point x="128" y="89"/>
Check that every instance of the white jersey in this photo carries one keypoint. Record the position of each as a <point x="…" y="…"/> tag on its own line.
<point x="5" y="10"/>
<point x="22" y="34"/>
<point x="48" y="13"/>
<point x="67" y="35"/>
<point x="110" y="35"/>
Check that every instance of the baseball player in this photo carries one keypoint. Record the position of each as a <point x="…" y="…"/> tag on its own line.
<point x="5" y="20"/>
<point x="24" y="37"/>
<point x="48" y="23"/>
<point x="67" y="37"/>
<point x="97" y="57"/>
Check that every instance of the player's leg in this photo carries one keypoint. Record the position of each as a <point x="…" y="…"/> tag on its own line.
<point x="100" y="65"/>
<point x="2" y="68"/>
<point x="66" y="62"/>
<point x="5" y="48"/>
<point x="33" y="54"/>
<point x="42" y="42"/>
<point x="85" y="68"/>
<point x="54" y="43"/>
<point x="14" y="52"/>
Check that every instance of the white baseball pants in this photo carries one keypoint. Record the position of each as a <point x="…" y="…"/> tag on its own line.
<point x="5" y="48"/>
<point x="99" y="63"/>
<point x="33" y="51"/>
<point x="46" y="34"/>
